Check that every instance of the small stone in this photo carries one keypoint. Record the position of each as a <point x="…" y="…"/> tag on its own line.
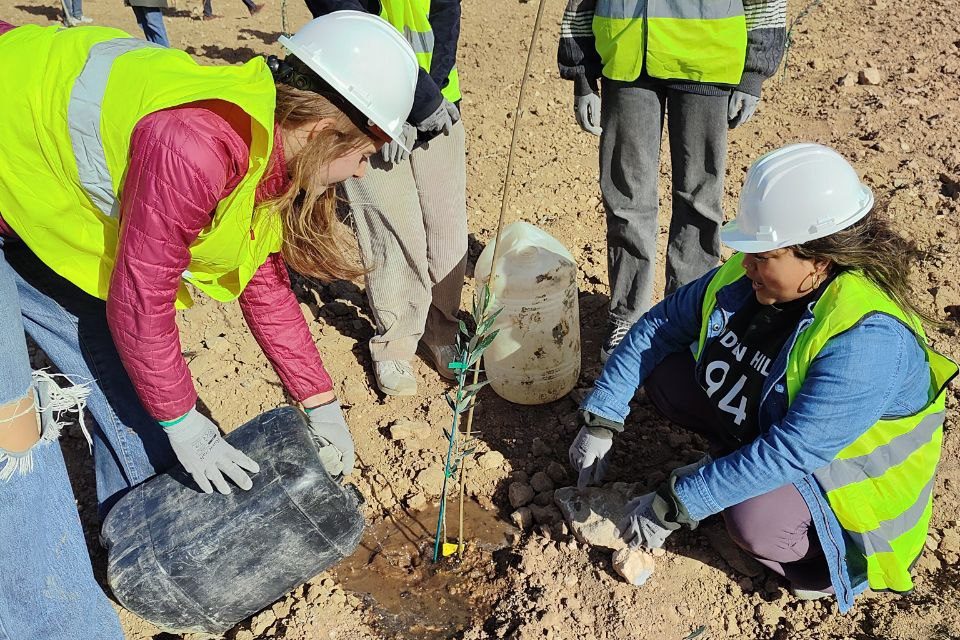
<point x="417" y="501"/>
<point x="243" y="634"/>
<point x="545" y="515"/>
<point x="431" y="480"/>
<point x="491" y="460"/>
<point x="541" y="482"/>
<point x="593" y="513"/>
<point x="281" y="609"/>
<point x="544" y="499"/>
<point x="522" y="518"/>
<point x="557" y="472"/>
<point x="514" y="538"/>
<point x="634" y="565"/>
<point x="869" y="76"/>
<point x="771" y="613"/>
<point x="540" y="448"/>
<point x="405" y="429"/>
<point x="520" y="494"/>
<point x="314" y="593"/>
<point x="261" y="621"/>
<point x="848" y="80"/>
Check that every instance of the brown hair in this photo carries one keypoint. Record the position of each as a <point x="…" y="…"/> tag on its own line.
<point x="872" y="246"/>
<point x="315" y="242"/>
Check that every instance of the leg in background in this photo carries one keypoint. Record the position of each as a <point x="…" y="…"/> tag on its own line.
<point x="697" y="126"/>
<point x="439" y="170"/>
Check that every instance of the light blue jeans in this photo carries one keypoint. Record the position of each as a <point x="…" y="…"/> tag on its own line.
<point x="47" y="588"/>
<point x="150" y="20"/>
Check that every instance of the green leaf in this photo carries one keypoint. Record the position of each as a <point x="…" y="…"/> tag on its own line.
<point x="450" y="401"/>
<point x="463" y="329"/>
<point x="474" y="388"/>
<point x="696" y="632"/>
<point x="484" y="327"/>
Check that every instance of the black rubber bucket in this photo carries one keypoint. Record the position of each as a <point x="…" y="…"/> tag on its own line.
<point x="188" y="561"/>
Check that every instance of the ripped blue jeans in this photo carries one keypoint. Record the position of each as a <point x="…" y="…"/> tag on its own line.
<point x="47" y="588"/>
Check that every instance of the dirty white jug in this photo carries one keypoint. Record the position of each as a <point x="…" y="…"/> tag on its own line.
<point x="536" y="356"/>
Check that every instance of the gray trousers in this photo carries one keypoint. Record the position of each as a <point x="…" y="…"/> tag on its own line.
<point x="411" y="225"/>
<point x="632" y="119"/>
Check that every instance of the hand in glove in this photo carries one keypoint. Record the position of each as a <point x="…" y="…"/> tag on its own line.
<point x="334" y="443"/>
<point x="206" y="455"/>
<point x="654" y="516"/>
<point x="588" y="454"/>
<point x="587" y="110"/>
<point x="442" y="119"/>
<point x="393" y="153"/>
<point x="693" y="467"/>
<point x="740" y="108"/>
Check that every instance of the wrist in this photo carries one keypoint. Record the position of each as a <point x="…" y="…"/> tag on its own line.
<point x="318" y="400"/>
<point x="168" y="424"/>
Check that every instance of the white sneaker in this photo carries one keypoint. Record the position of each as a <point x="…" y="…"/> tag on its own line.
<point x="440" y="358"/>
<point x="85" y="20"/>
<point x="395" y="377"/>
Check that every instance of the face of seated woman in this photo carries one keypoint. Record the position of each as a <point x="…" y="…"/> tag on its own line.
<point x="780" y="276"/>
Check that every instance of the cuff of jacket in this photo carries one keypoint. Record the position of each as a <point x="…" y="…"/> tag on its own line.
<point x="426" y="100"/>
<point x="167" y="411"/>
<point x="606" y="405"/>
<point x="693" y="493"/>
<point x="582" y="85"/>
<point x="751" y="82"/>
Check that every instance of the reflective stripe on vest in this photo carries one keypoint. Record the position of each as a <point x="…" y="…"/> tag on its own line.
<point x="412" y="19"/>
<point x="702" y="41"/>
<point x="83" y="120"/>
<point x="880" y="487"/>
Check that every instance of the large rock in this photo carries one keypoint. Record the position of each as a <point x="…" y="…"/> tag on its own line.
<point x="593" y="513"/>
<point x="520" y="494"/>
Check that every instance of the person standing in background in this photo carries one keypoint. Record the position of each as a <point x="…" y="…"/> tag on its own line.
<point x="150" y="18"/>
<point x="409" y="211"/>
<point x="700" y="65"/>
<point x="73" y="13"/>
<point x="208" y="13"/>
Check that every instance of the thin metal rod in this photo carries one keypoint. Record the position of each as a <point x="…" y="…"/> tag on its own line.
<point x="496" y="247"/>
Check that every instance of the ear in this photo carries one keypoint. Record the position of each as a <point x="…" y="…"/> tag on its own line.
<point x="318" y="126"/>
<point x="822" y="266"/>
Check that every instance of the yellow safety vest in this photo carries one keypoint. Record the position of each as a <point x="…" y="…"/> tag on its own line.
<point x="699" y="40"/>
<point x="80" y="92"/>
<point x="412" y="19"/>
<point x="880" y="487"/>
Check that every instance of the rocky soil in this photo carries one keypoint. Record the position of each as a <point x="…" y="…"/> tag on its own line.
<point x="878" y="80"/>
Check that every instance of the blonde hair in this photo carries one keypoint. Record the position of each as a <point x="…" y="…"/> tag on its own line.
<point x="315" y="242"/>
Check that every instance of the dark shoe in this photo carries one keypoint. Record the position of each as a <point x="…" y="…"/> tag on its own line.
<point x="212" y="16"/>
<point x="616" y="332"/>
<point x="255" y="9"/>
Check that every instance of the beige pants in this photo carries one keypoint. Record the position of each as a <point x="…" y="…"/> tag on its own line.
<point x="411" y="225"/>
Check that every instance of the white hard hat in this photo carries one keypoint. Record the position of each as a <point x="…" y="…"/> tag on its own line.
<point x="365" y="60"/>
<point x="795" y="194"/>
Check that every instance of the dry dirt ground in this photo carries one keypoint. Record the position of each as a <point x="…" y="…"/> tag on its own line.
<point x="902" y="133"/>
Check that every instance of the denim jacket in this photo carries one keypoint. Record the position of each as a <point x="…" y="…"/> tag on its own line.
<point x="875" y="370"/>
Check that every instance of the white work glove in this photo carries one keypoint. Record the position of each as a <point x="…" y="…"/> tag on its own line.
<point x="646" y="523"/>
<point x="587" y="110"/>
<point x="393" y="153"/>
<point x="334" y="443"/>
<point x="206" y="455"/>
<point x="740" y="108"/>
<point x="442" y="119"/>
<point x="588" y="454"/>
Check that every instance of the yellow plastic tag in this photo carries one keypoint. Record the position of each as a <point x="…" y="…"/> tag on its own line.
<point x="449" y="549"/>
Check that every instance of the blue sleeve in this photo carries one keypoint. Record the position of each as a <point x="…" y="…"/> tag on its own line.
<point x="445" y="22"/>
<point x="874" y="370"/>
<point x="670" y="326"/>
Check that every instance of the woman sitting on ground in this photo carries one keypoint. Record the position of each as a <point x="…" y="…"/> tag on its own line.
<point x="810" y="377"/>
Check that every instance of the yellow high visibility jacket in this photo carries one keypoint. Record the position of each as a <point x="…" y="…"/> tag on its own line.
<point x="880" y="487"/>
<point x="412" y="19"/>
<point x="66" y="151"/>
<point x="699" y="40"/>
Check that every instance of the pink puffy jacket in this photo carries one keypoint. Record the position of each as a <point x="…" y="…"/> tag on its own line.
<point x="183" y="161"/>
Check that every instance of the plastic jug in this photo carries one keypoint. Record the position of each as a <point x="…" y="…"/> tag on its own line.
<point x="535" y="358"/>
<point x="188" y="561"/>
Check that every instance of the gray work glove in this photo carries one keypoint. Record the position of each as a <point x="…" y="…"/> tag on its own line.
<point x="587" y="110"/>
<point x="740" y="108"/>
<point x="646" y="523"/>
<point x="334" y="443"/>
<point x="207" y="456"/>
<point x="393" y="153"/>
<point x="588" y="454"/>
<point x="442" y="119"/>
